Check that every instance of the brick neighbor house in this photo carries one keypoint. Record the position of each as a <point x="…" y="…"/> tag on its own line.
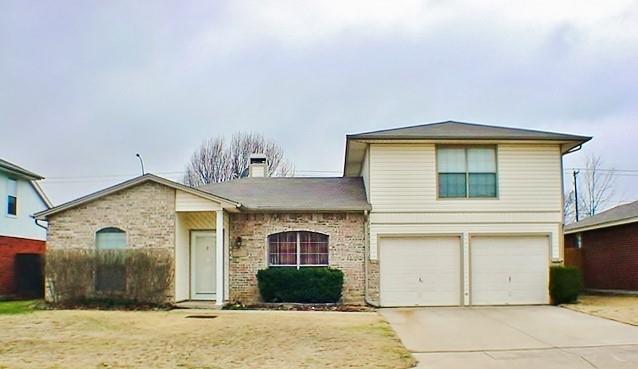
<point x="20" y="237"/>
<point x="606" y="248"/>
<point x="438" y="214"/>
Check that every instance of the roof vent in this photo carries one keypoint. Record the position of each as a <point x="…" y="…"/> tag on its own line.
<point x="258" y="166"/>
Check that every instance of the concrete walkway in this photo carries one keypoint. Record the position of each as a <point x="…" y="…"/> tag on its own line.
<point x="514" y="337"/>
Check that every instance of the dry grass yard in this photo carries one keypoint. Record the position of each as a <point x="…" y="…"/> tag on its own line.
<point x="617" y="307"/>
<point x="235" y="339"/>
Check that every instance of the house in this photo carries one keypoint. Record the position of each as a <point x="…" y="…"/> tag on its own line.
<point x="607" y="246"/>
<point x="437" y="214"/>
<point x="20" y="237"/>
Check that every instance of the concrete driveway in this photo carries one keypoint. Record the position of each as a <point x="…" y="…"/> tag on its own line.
<point x="514" y="337"/>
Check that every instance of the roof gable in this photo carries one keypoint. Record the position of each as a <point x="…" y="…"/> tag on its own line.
<point x="17" y="170"/>
<point x="131" y="183"/>
<point x="451" y="132"/>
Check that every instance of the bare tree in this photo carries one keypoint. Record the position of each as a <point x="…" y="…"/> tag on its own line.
<point x="569" y="210"/>
<point x="214" y="161"/>
<point x="596" y="186"/>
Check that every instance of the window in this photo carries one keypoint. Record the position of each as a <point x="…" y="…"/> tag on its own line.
<point x="110" y="272"/>
<point x="110" y="238"/>
<point x="12" y="197"/>
<point x="467" y="171"/>
<point x="297" y="249"/>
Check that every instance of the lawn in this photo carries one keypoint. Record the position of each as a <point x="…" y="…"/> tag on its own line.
<point x="617" y="307"/>
<point x="17" y="307"/>
<point x="168" y="339"/>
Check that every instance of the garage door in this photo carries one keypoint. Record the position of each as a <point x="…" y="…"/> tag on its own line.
<point x="509" y="270"/>
<point x="420" y="271"/>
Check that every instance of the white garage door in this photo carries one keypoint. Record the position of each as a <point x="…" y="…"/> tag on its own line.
<point x="423" y="271"/>
<point x="509" y="270"/>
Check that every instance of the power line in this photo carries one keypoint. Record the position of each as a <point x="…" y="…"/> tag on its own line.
<point x="603" y="169"/>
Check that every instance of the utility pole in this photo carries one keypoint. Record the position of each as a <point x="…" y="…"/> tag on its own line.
<point x="575" y="173"/>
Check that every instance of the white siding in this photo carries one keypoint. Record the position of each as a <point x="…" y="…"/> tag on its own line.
<point x="403" y="194"/>
<point x="29" y="202"/>
<point x="185" y="201"/>
<point x="403" y="178"/>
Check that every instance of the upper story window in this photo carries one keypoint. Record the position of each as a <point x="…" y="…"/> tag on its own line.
<point x="110" y="239"/>
<point x="12" y="197"/>
<point x="297" y="249"/>
<point x="467" y="171"/>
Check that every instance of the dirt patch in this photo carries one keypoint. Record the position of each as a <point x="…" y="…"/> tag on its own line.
<point x="166" y="339"/>
<point x="622" y="308"/>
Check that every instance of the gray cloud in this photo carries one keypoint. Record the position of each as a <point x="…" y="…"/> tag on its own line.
<point x="86" y="86"/>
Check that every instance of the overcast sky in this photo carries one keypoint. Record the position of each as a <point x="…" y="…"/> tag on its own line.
<point x="85" y="85"/>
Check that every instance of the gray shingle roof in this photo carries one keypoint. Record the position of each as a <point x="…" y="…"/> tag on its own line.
<point x="616" y="214"/>
<point x="294" y="193"/>
<point x="461" y="130"/>
<point x="19" y="170"/>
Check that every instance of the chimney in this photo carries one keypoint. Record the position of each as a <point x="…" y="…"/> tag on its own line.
<point x="257" y="167"/>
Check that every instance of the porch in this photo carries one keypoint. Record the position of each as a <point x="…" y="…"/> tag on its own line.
<point x="201" y="249"/>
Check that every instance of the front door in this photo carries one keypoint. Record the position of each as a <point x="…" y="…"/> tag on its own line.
<point x="203" y="265"/>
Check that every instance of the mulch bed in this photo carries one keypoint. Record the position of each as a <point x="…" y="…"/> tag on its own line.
<point x="300" y="307"/>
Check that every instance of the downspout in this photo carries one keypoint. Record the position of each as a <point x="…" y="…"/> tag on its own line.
<point x="40" y="225"/>
<point x="574" y="149"/>
<point x="366" y="257"/>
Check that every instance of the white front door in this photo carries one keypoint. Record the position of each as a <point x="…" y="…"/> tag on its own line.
<point x="509" y="270"/>
<point x="420" y="271"/>
<point x="203" y="263"/>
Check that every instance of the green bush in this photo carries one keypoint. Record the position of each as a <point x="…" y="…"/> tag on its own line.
<point x="306" y="285"/>
<point x="565" y="284"/>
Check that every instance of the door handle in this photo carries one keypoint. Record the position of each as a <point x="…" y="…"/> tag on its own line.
<point x="420" y="280"/>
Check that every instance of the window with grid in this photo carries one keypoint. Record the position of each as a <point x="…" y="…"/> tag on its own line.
<point x="298" y="249"/>
<point x="467" y="171"/>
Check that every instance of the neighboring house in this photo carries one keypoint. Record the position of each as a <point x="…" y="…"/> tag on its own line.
<point x="20" y="198"/>
<point x="608" y="246"/>
<point x="438" y="214"/>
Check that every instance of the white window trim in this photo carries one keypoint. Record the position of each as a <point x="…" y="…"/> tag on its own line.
<point x="467" y="173"/>
<point x="298" y="265"/>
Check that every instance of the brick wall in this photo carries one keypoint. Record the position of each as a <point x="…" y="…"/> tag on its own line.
<point x="373" y="281"/>
<point x="9" y="247"/>
<point x="146" y="213"/>
<point x="610" y="257"/>
<point x="346" y="244"/>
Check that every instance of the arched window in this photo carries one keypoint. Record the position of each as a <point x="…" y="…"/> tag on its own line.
<point x="298" y="249"/>
<point x="110" y="238"/>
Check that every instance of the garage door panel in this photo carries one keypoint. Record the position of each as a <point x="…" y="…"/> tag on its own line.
<point x="420" y="271"/>
<point x="509" y="270"/>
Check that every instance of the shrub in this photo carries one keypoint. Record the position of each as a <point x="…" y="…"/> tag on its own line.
<point x="130" y="276"/>
<point x="565" y="284"/>
<point x="306" y="285"/>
